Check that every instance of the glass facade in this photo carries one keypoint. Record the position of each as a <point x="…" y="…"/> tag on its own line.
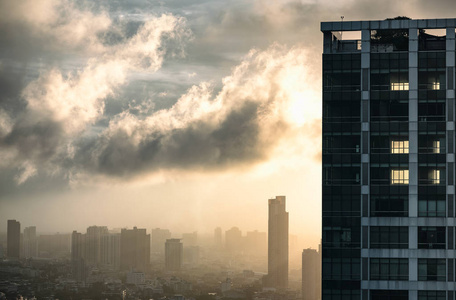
<point x="388" y="212"/>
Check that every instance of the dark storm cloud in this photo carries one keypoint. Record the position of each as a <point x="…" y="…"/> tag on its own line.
<point x="235" y="140"/>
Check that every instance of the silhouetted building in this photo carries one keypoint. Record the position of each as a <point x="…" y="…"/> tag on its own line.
<point x="93" y="244"/>
<point x="277" y="244"/>
<point x="173" y="255"/>
<point x="233" y="240"/>
<point x="218" y="237"/>
<point x="134" y="249"/>
<point x="388" y="160"/>
<point x="311" y="274"/>
<point x="13" y="239"/>
<point x="78" y="250"/>
<point x="159" y="237"/>
<point x="30" y="242"/>
<point x="110" y="251"/>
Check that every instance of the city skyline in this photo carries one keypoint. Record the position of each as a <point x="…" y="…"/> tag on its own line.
<point x="200" y="125"/>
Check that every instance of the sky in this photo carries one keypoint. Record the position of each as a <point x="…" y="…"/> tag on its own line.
<point x="184" y="115"/>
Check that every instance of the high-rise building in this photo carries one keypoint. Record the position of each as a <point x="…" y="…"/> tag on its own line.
<point x="159" y="237"/>
<point x="174" y="254"/>
<point x="30" y="242"/>
<point x="233" y="240"/>
<point x="277" y="243"/>
<point x="388" y="159"/>
<point x="134" y="249"/>
<point x="78" y="251"/>
<point x="13" y="249"/>
<point x="311" y="274"/>
<point x="110" y="251"/>
<point x="93" y="244"/>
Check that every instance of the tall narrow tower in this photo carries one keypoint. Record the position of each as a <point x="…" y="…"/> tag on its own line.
<point x="13" y="239"/>
<point x="277" y="243"/>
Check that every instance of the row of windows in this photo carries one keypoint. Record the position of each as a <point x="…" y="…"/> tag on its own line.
<point x="403" y="295"/>
<point x="429" y="269"/>
<point x="397" y="237"/>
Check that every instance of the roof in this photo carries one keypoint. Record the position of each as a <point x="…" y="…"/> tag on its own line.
<point x="387" y="24"/>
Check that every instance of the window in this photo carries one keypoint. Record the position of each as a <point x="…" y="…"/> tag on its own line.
<point x="435" y="85"/>
<point x="389" y="269"/>
<point x="389" y="237"/>
<point x="434" y="176"/>
<point x="431" y="237"/>
<point x="399" y="147"/>
<point x="432" y="207"/>
<point x="399" y="176"/>
<point x="435" y="146"/>
<point x="399" y="86"/>
<point x="389" y="295"/>
<point x="431" y="295"/>
<point x="431" y="269"/>
<point x="389" y="205"/>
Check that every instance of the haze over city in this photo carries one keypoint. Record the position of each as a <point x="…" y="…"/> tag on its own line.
<point x="185" y="115"/>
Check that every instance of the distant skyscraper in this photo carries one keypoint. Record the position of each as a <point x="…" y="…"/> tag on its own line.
<point x="233" y="239"/>
<point x="13" y="239"/>
<point x="277" y="243"/>
<point x="30" y="242"/>
<point x="134" y="249"/>
<point x="159" y="237"/>
<point x="218" y="237"/>
<point x="174" y="252"/>
<point x="311" y="274"/>
<point x="78" y="249"/>
<point x="93" y="244"/>
<point x="110" y="251"/>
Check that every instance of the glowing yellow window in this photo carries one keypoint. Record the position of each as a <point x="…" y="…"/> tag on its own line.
<point x="399" y="147"/>
<point x="436" y="85"/>
<point x="399" y="176"/>
<point x="434" y="176"/>
<point x="399" y="86"/>
<point x="436" y="147"/>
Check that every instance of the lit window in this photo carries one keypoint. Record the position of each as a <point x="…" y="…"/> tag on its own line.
<point x="436" y="147"/>
<point x="399" y="147"/>
<point x="434" y="176"/>
<point x="399" y="86"/>
<point x="435" y="85"/>
<point x="399" y="176"/>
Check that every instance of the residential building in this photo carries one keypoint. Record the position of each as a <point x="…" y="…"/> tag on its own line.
<point x="30" y="242"/>
<point x="13" y="245"/>
<point x="134" y="249"/>
<point x="388" y="159"/>
<point x="174" y="254"/>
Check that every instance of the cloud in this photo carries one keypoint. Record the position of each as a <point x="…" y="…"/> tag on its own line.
<point x="61" y="106"/>
<point x="241" y="125"/>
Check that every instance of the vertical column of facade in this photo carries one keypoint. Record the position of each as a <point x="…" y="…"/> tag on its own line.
<point x="365" y="113"/>
<point x="450" y="95"/>
<point x="413" y="153"/>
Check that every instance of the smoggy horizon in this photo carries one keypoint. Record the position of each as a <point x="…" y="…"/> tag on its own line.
<point x="178" y="115"/>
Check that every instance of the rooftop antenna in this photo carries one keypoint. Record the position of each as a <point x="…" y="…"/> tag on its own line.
<point x="341" y="20"/>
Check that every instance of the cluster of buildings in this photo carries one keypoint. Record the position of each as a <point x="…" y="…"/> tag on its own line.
<point x="103" y="255"/>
